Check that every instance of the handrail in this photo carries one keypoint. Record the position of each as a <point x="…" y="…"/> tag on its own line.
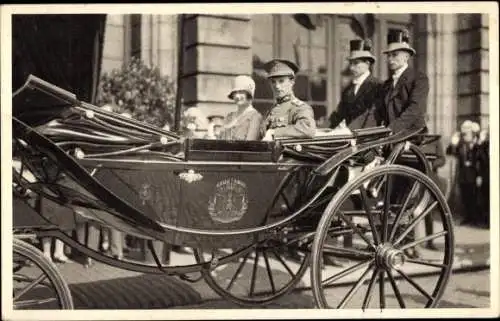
<point x="345" y="154"/>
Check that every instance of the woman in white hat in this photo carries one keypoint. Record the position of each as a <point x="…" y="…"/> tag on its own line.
<point x="244" y="123"/>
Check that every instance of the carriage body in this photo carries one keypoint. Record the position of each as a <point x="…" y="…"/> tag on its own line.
<point x="204" y="194"/>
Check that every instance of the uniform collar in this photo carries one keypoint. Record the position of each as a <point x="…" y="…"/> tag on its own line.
<point x="359" y="80"/>
<point x="284" y="99"/>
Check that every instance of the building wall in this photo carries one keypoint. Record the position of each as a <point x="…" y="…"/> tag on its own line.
<point x="114" y="49"/>
<point x="217" y="48"/>
<point x="451" y="49"/>
<point x="473" y="67"/>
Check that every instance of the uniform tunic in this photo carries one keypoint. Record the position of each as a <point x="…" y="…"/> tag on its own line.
<point x="290" y="117"/>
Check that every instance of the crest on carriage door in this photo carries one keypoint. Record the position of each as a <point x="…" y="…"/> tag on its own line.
<point x="229" y="202"/>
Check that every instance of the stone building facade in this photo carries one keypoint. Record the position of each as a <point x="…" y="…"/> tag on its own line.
<point x="452" y="49"/>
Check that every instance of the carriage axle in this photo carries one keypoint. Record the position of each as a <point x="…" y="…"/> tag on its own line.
<point x="388" y="257"/>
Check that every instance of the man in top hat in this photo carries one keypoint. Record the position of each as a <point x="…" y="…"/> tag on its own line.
<point x="289" y="116"/>
<point x="403" y="97"/>
<point x="357" y="103"/>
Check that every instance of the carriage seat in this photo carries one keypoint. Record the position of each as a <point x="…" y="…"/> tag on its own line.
<point x="231" y="150"/>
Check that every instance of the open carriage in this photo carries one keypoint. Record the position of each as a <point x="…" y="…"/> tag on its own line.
<point x="241" y="205"/>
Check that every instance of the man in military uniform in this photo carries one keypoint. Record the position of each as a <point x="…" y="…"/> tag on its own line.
<point x="289" y="116"/>
<point x="403" y="98"/>
<point x="359" y="97"/>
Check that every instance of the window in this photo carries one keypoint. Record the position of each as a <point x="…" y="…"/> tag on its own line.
<point x="282" y="36"/>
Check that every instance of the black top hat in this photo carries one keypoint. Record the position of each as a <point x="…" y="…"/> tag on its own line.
<point x="399" y="40"/>
<point x="360" y="45"/>
<point x="360" y="49"/>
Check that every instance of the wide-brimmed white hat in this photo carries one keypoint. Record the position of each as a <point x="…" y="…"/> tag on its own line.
<point x="360" y="49"/>
<point x="399" y="40"/>
<point x="243" y="83"/>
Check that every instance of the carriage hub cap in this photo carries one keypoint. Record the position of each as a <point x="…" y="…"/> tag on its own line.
<point x="389" y="257"/>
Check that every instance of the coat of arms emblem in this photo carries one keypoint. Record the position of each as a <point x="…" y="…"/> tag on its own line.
<point x="230" y="201"/>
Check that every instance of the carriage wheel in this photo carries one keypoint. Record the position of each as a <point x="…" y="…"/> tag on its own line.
<point x="259" y="276"/>
<point x="37" y="284"/>
<point x="379" y="263"/>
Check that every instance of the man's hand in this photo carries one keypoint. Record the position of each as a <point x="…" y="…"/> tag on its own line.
<point x="483" y="136"/>
<point x="479" y="181"/>
<point x="455" y="139"/>
<point x="269" y="135"/>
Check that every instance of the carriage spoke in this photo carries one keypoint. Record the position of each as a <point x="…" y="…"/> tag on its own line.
<point x="402" y="210"/>
<point x="381" y="287"/>
<point x="421" y="262"/>
<point x="369" y="214"/>
<point x="238" y="271"/>
<point x="387" y="203"/>
<point x="284" y="263"/>
<point x="27" y="303"/>
<point x="30" y="286"/>
<point x="345" y="272"/>
<point x="414" y="223"/>
<point x="269" y="273"/>
<point x="287" y="202"/>
<point x="355" y="288"/>
<point x="24" y="278"/>
<point x="396" y="290"/>
<point x="369" y="292"/>
<point x="423" y="239"/>
<point x="341" y="251"/>
<point x="356" y="229"/>
<point x="254" y="273"/>
<point x="415" y="285"/>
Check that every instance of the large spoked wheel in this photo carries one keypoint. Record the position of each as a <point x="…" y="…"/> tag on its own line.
<point x="263" y="273"/>
<point x="37" y="284"/>
<point x="379" y="263"/>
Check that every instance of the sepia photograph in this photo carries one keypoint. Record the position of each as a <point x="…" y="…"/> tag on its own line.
<point x="322" y="158"/>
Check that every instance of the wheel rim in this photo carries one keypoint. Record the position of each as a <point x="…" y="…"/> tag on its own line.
<point x="37" y="284"/>
<point x="378" y="264"/>
<point x="260" y="275"/>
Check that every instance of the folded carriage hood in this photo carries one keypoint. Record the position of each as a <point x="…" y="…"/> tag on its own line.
<point x="65" y="51"/>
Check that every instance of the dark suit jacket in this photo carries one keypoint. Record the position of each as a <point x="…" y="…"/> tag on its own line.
<point x="467" y="161"/>
<point x="358" y="110"/>
<point x="404" y="106"/>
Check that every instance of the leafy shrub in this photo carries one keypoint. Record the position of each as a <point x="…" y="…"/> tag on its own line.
<point x="141" y="91"/>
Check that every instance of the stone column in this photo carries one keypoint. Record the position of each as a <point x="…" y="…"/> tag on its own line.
<point x="114" y="46"/>
<point x="473" y="67"/>
<point x="217" y="48"/>
<point x="436" y="56"/>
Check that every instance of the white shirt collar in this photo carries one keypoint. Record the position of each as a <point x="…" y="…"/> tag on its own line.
<point x="399" y="72"/>
<point x="359" y="80"/>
